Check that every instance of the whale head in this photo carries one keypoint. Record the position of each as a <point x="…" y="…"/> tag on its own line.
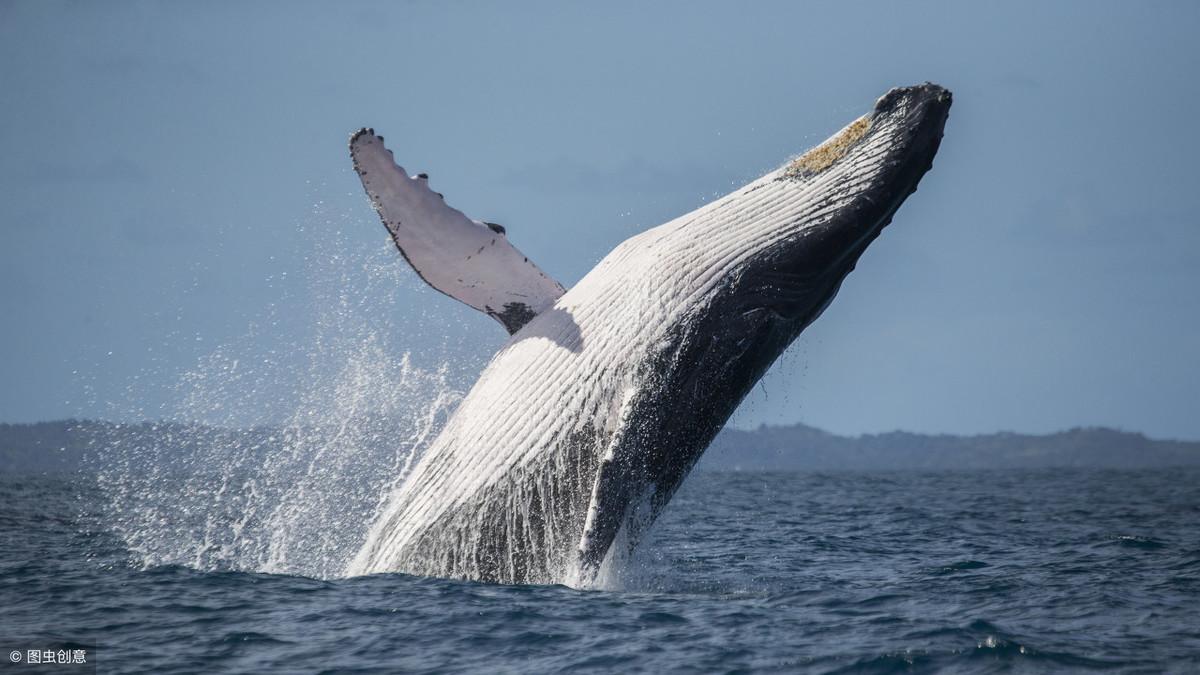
<point x="747" y="273"/>
<point x="846" y="190"/>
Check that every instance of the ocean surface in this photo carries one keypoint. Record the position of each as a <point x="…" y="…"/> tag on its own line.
<point x="1025" y="571"/>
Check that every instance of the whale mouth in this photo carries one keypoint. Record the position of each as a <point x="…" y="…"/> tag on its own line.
<point x="914" y="98"/>
<point x="919" y="113"/>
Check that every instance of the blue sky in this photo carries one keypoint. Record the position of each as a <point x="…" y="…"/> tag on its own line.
<point x="175" y="184"/>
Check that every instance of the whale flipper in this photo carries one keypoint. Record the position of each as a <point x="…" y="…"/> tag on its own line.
<point x="468" y="260"/>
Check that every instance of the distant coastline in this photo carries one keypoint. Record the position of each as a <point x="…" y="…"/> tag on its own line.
<point x="803" y="448"/>
<point x="62" y="446"/>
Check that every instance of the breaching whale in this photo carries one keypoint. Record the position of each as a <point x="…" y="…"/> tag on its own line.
<point x="587" y="420"/>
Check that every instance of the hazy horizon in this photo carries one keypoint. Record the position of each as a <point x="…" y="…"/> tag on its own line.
<point x="731" y="426"/>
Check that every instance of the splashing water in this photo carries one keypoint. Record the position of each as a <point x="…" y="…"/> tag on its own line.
<point x="227" y="482"/>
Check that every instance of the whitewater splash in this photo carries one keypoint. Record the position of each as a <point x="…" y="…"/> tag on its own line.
<point x="227" y="482"/>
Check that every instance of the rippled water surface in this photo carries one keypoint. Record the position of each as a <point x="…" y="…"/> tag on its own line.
<point x="1044" y="571"/>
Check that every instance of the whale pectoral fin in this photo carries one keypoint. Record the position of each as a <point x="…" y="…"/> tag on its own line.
<point x="469" y="260"/>
<point x="604" y="518"/>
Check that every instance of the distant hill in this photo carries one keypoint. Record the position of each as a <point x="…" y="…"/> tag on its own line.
<point x="803" y="448"/>
<point x="45" y="446"/>
<point x="66" y="445"/>
<point x="54" y="447"/>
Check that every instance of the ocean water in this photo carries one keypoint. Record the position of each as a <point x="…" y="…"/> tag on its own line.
<point x="1042" y="571"/>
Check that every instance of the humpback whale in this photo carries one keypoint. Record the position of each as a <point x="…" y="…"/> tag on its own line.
<point x="587" y="420"/>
